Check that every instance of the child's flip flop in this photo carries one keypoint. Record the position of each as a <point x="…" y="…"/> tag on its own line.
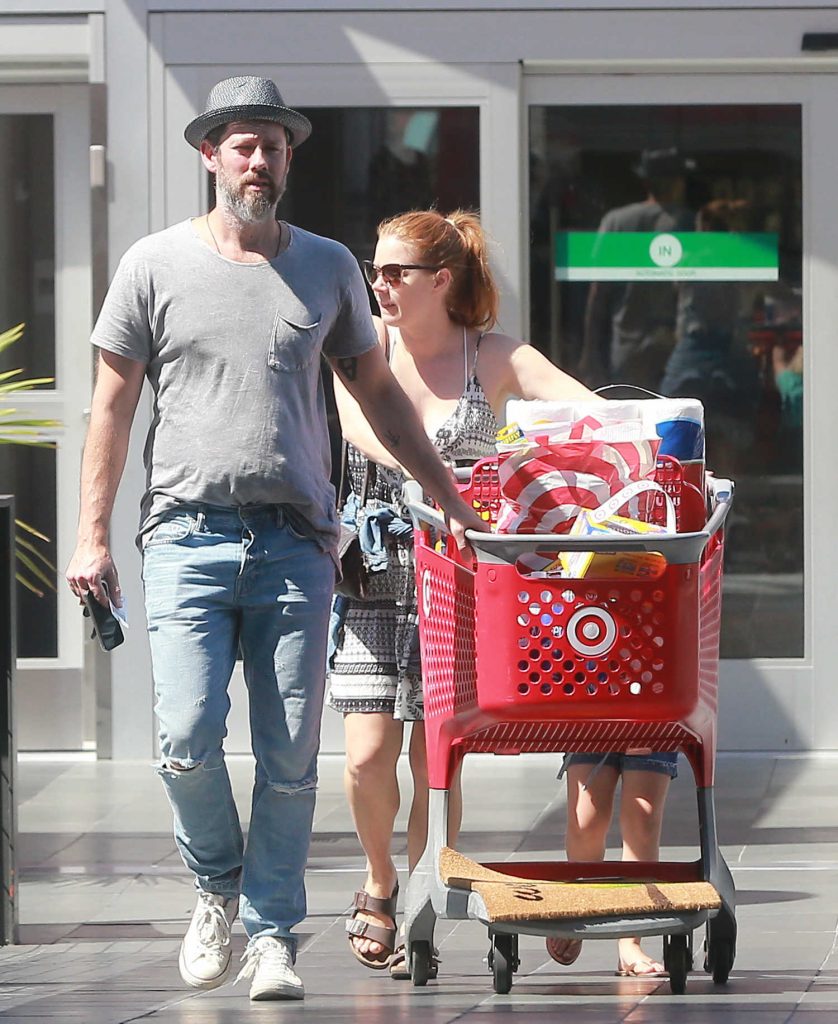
<point x="641" y="968"/>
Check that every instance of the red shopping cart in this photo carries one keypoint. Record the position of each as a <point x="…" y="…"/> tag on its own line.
<point x="517" y="662"/>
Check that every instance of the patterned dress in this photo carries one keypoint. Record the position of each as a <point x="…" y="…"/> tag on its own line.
<point x="376" y="664"/>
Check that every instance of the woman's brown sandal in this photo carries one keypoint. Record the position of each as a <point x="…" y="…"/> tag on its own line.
<point x="383" y="935"/>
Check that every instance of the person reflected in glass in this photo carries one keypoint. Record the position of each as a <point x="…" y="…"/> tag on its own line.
<point x="438" y="305"/>
<point x="400" y="169"/>
<point x="630" y="325"/>
<point x="788" y="378"/>
<point x="710" y="360"/>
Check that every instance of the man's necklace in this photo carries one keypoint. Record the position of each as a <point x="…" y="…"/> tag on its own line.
<point x="218" y="250"/>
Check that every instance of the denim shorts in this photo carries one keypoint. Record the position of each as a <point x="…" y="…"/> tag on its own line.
<point x="665" y="762"/>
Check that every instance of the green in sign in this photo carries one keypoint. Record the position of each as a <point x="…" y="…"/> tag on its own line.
<point x="664" y="256"/>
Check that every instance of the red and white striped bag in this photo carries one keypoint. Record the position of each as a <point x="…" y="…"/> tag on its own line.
<point x="544" y="486"/>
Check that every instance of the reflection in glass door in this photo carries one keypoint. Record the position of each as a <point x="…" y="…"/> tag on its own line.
<point x="363" y="164"/>
<point x="45" y="285"/>
<point x="27" y="296"/>
<point x="667" y="254"/>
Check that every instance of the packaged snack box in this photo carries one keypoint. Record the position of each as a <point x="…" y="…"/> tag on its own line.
<point x="619" y="565"/>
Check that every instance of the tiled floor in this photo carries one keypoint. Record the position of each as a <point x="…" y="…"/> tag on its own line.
<point x="104" y="900"/>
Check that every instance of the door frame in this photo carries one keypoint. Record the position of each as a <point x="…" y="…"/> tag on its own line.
<point x="60" y="684"/>
<point x="793" y="694"/>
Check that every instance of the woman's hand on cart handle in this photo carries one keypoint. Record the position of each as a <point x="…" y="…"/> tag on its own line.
<point x="460" y="517"/>
<point x="455" y="525"/>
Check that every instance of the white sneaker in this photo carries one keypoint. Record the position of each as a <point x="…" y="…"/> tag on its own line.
<point x="269" y="963"/>
<point x="205" y="952"/>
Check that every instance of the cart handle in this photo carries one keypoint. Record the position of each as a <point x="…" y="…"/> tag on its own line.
<point x="420" y="512"/>
<point x="499" y="548"/>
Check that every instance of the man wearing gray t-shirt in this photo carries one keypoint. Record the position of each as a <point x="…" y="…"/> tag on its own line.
<point x="228" y="315"/>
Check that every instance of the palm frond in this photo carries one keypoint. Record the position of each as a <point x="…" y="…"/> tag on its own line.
<point x="35" y="552"/>
<point x="10" y="336"/>
<point x="24" y="385"/>
<point x="19" y="523"/>
<point x="24" y="582"/>
<point x="33" y="566"/>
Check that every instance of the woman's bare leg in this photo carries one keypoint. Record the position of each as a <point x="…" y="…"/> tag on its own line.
<point x="373" y="745"/>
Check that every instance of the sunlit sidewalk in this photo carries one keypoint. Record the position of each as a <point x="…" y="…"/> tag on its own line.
<point x="104" y="901"/>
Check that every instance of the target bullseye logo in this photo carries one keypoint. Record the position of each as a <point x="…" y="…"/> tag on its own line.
<point x="426" y="592"/>
<point x="591" y="631"/>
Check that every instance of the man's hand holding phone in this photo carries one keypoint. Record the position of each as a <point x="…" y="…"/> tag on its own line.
<point x="107" y="626"/>
<point x="92" y="577"/>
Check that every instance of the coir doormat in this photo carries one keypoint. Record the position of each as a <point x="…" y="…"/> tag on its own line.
<point x="509" y="898"/>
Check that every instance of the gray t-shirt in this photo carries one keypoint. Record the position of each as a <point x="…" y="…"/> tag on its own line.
<point x="233" y="358"/>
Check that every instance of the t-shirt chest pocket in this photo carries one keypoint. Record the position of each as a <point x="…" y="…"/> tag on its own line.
<point x="293" y="344"/>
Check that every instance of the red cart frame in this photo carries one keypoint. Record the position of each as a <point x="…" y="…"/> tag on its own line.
<point x="514" y="662"/>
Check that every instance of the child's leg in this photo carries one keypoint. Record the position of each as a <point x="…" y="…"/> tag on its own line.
<point x="590" y="804"/>
<point x="642" y="801"/>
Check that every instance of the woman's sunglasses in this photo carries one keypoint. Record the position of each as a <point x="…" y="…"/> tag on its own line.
<point x="391" y="272"/>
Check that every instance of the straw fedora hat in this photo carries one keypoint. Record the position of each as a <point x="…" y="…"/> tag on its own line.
<point x="246" y="99"/>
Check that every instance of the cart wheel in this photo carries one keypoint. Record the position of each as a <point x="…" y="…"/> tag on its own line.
<point x="504" y="957"/>
<point x="420" y="963"/>
<point x="720" y="946"/>
<point x="723" y="954"/>
<point x="678" y="961"/>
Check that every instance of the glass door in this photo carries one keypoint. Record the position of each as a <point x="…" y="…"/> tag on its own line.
<point x="667" y="220"/>
<point x="45" y="286"/>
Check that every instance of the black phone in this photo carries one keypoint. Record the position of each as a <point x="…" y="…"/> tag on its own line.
<point x="106" y="627"/>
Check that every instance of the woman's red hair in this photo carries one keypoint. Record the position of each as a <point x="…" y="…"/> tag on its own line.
<point x="455" y="241"/>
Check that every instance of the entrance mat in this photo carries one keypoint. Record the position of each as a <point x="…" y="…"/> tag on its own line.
<point x="509" y="898"/>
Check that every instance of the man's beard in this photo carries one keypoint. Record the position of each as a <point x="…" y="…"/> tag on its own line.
<point x="246" y="206"/>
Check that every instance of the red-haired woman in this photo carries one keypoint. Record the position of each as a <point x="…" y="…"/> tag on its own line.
<point x="439" y="304"/>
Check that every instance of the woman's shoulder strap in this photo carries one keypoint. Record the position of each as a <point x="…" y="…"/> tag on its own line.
<point x="480" y="338"/>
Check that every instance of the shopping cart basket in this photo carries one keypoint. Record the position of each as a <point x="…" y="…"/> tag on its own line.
<point x="514" y="663"/>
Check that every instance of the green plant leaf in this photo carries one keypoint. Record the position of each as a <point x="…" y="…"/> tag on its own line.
<point x="33" y="550"/>
<point x="33" y="565"/>
<point x="24" y="385"/>
<point x="24" y="582"/>
<point x="19" y="523"/>
<point x="11" y="336"/>
<point x="34" y="569"/>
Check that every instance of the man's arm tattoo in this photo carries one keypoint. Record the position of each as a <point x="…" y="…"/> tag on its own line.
<point x="348" y="368"/>
<point x="394" y="438"/>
